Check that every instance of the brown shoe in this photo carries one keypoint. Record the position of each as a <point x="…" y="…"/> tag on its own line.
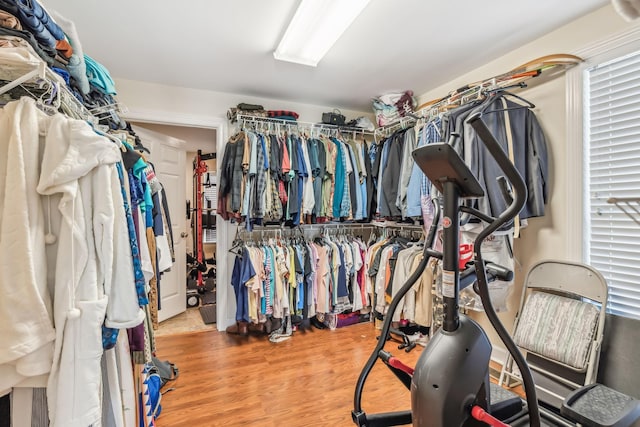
<point x="240" y="328"/>
<point x="256" y="328"/>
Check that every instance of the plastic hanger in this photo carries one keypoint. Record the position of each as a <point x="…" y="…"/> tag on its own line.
<point x="500" y="93"/>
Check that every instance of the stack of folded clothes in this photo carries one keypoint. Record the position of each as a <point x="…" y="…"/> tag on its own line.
<point x="283" y="115"/>
<point x="29" y="21"/>
<point x="247" y="109"/>
<point x="391" y="107"/>
<point x="259" y="111"/>
<point x="55" y="40"/>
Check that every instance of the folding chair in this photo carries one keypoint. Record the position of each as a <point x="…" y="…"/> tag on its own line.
<point x="560" y="327"/>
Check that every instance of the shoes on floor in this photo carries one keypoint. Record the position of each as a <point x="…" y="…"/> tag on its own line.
<point x="240" y="328"/>
<point x="317" y="323"/>
<point x="421" y="339"/>
<point x="279" y="338"/>
<point x="283" y="333"/>
<point x="275" y="324"/>
<point x="257" y="328"/>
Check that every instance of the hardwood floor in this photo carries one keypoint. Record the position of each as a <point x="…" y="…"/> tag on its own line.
<point x="308" y="380"/>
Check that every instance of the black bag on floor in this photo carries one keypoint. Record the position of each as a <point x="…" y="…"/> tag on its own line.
<point x="167" y="370"/>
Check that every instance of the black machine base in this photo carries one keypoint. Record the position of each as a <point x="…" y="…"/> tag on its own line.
<point x="452" y="374"/>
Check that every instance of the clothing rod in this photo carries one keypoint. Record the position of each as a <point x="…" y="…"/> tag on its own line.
<point x="257" y="119"/>
<point x="311" y="226"/>
<point x="331" y="225"/>
<point x="425" y="112"/>
<point x="337" y="226"/>
<point x="401" y="226"/>
<point x="38" y="72"/>
<point x="517" y="76"/>
<point x="403" y="123"/>
<point x="462" y="95"/>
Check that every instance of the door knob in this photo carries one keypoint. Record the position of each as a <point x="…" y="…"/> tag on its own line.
<point x="184" y="235"/>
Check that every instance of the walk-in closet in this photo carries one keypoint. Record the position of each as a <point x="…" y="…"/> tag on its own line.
<point x="319" y="213"/>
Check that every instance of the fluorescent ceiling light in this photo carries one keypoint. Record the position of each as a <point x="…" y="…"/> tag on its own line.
<point x="315" y="27"/>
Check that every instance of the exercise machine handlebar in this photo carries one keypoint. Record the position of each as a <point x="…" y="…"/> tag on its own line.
<point x="518" y="198"/>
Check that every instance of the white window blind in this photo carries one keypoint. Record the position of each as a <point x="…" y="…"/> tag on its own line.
<point x="210" y="235"/>
<point x="612" y="168"/>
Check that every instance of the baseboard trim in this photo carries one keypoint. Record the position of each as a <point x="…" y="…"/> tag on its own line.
<point x="499" y="355"/>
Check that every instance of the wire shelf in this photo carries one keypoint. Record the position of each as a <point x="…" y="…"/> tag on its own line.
<point x="245" y="119"/>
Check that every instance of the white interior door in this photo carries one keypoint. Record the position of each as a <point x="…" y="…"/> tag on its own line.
<point x="168" y="156"/>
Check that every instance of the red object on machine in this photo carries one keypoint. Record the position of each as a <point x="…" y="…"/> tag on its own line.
<point x="466" y="253"/>
<point x="396" y="363"/>
<point x="481" y="415"/>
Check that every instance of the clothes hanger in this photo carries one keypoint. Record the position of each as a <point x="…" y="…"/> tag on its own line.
<point x="236" y="244"/>
<point x="49" y="101"/>
<point x="113" y="138"/>
<point x="499" y="93"/>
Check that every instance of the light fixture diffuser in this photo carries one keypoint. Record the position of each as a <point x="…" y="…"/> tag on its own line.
<point x="315" y="27"/>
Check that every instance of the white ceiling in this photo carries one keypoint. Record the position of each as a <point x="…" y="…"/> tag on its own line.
<point x="227" y="46"/>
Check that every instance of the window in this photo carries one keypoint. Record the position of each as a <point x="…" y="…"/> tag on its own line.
<point x="612" y="170"/>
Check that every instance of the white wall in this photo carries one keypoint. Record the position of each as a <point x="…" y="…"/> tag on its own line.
<point x="546" y="237"/>
<point x="143" y="97"/>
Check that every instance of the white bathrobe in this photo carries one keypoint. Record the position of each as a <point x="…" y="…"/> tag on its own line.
<point x="26" y="321"/>
<point x="79" y="168"/>
<point x="88" y="268"/>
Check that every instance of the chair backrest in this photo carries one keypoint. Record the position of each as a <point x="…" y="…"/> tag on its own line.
<point x="560" y="326"/>
<point x="570" y="278"/>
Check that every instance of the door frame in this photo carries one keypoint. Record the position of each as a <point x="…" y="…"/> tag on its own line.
<point x="225" y="300"/>
<point x="171" y="304"/>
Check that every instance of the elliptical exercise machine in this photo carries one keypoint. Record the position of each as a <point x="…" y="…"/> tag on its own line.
<point x="450" y="384"/>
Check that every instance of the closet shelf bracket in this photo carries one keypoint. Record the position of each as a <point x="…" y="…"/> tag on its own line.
<point x="39" y="71"/>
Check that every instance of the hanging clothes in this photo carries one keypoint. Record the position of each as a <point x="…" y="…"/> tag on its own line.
<point x="388" y="264"/>
<point x="83" y="224"/>
<point x="406" y="163"/>
<point x="293" y="179"/>
<point x="81" y="200"/>
<point x="517" y="129"/>
<point x="523" y="140"/>
<point x="390" y="175"/>
<point x="298" y="279"/>
<point x="91" y="286"/>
